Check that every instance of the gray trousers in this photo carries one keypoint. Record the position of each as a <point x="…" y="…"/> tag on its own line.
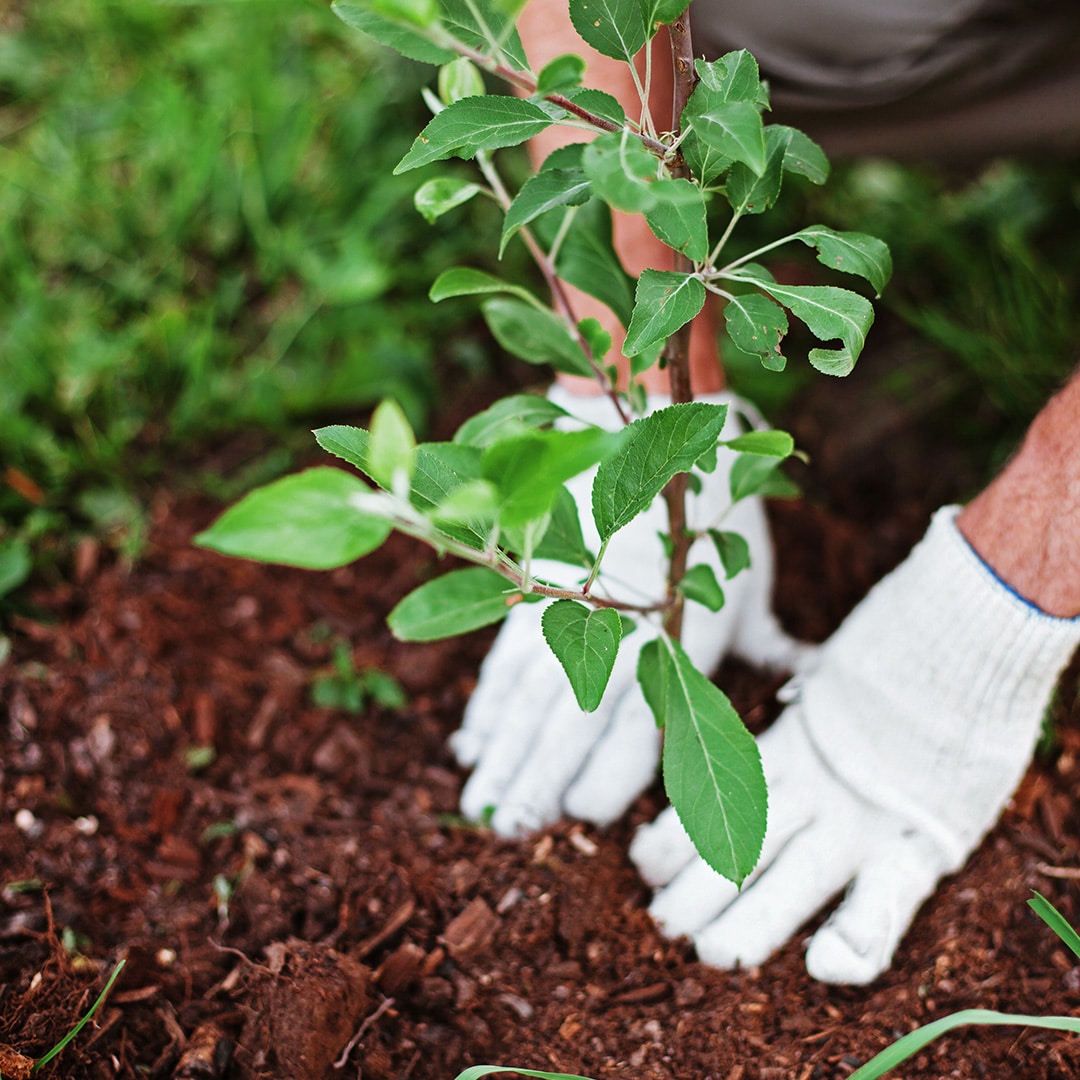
<point x="943" y="79"/>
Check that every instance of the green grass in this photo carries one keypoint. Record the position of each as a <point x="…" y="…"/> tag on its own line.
<point x="199" y="232"/>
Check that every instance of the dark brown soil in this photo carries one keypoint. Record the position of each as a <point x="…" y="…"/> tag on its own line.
<point x="295" y="897"/>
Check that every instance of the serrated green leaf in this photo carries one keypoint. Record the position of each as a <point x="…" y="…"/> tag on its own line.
<point x="680" y="222"/>
<point x="392" y="34"/>
<point x="481" y="24"/>
<point x="509" y="415"/>
<point x="621" y="170"/>
<point x="545" y="191"/>
<point x="538" y="337"/>
<point x="585" y="641"/>
<point x="473" y="124"/>
<point x="465" y="281"/>
<point x="472" y="502"/>
<point x="442" y="194"/>
<point x="829" y="313"/>
<point x="712" y="768"/>
<point x="700" y="585"/>
<point x="307" y="520"/>
<point x="587" y="259"/>
<point x="453" y="604"/>
<point x="733" y="550"/>
<point x="529" y="470"/>
<point x="391" y="446"/>
<point x="615" y="28"/>
<point x="657" y="447"/>
<point x="423" y="14"/>
<point x="734" y="129"/>
<point x="757" y="325"/>
<point x="772" y="443"/>
<point x="732" y="77"/>
<point x="563" y="541"/>
<point x="752" y="474"/>
<point x="851" y="252"/>
<point x="665" y="300"/>
<point x="438" y="470"/>
<point x="561" y="74"/>
<point x="751" y="194"/>
<point x="599" y="103"/>
<point x="803" y="156"/>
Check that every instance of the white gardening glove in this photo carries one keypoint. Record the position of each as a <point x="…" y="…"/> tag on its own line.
<point x="903" y="743"/>
<point x="537" y="755"/>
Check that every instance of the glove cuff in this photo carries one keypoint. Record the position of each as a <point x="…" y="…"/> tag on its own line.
<point x="943" y="653"/>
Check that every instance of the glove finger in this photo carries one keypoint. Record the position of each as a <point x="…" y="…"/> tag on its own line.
<point x="497" y="688"/>
<point x="698" y="894"/>
<point x="857" y="943"/>
<point x="620" y="766"/>
<point x="563" y="742"/>
<point x="661" y="849"/>
<point x="520" y="716"/>
<point x="810" y="868"/>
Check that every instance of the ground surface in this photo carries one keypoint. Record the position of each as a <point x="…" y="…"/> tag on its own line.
<point x="293" y="879"/>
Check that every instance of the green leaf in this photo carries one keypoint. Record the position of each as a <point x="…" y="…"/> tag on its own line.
<point x="657" y="447"/>
<point x="734" y="129"/>
<point x="538" y="337"/>
<point x="680" y="223"/>
<point x="829" y="313"/>
<point x="772" y="443"/>
<point x="757" y="325"/>
<point x="615" y="28"/>
<point x="465" y="281"/>
<point x="733" y="550"/>
<point x="732" y="77"/>
<point x="392" y="34"/>
<point x="307" y="520"/>
<point x="543" y="192"/>
<point x="423" y="14"/>
<point x="585" y="641"/>
<point x="851" y="252"/>
<point x="442" y="194"/>
<point x="665" y="300"/>
<point x="438" y="470"/>
<point x="453" y="604"/>
<point x="587" y="260"/>
<point x="1056" y="921"/>
<point x="563" y="540"/>
<point x="460" y="79"/>
<point x="914" y="1041"/>
<point x="753" y="474"/>
<point x="481" y="24"/>
<point x="472" y="502"/>
<point x="652" y="676"/>
<point x="622" y="171"/>
<point x="667" y="11"/>
<point x="599" y="103"/>
<point x="473" y="124"/>
<point x="475" y="1072"/>
<point x="712" y="768"/>
<point x="753" y="194"/>
<point x="15" y="565"/>
<point x="391" y="447"/>
<point x="700" y="585"/>
<point x="509" y="415"/>
<point x="596" y="337"/>
<point x="561" y="74"/>
<point x="529" y="470"/>
<point x="803" y="155"/>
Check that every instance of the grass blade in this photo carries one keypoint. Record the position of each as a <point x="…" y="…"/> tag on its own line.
<point x="1056" y="921"/>
<point x="46" y="1058"/>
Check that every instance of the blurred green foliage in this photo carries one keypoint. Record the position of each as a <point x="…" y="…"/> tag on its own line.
<point x="199" y="231"/>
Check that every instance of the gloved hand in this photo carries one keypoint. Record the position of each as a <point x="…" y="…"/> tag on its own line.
<point x="537" y="755"/>
<point x="904" y="740"/>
